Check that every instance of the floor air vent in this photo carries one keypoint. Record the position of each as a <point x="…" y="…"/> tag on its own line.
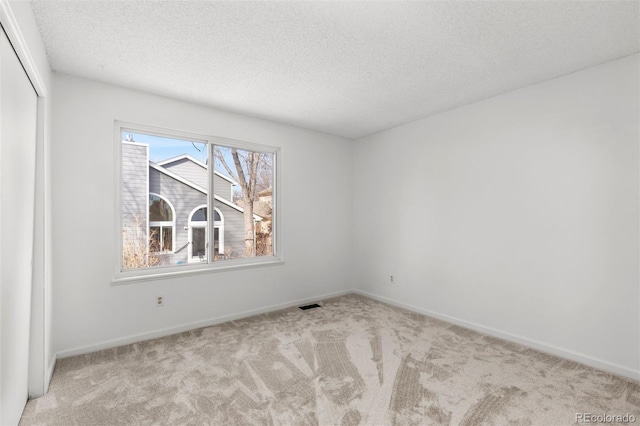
<point x="304" y="308"/>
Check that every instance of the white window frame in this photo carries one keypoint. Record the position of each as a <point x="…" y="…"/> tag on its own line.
<point x="163" y="272"/>
<point x="163" y="223"/>
<point x="219" y="224"/>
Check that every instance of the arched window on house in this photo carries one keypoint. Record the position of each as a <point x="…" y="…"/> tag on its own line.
<point x="199" y="235"/>
<point x="161" y="224"/>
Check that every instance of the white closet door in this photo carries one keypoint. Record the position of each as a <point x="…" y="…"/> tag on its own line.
<point x="18" y="109"/>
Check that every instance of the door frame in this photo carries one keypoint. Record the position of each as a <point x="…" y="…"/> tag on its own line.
<point x="41" y="356"/>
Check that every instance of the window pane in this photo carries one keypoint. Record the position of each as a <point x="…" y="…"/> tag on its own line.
<point x="154" y="239"/>
<point x="199" y="242"/>
<point x="200" y="215"/>
<point x="163" y="180"/>
<point x="159" y="209"/>
<point x="167" y="239"/>
<point x="248" y="218"/>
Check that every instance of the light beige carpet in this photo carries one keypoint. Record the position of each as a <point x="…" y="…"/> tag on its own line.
<point x="352" y="361"/>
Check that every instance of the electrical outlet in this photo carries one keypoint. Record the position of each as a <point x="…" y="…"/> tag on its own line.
<point x="392" y="280"/>
<point x="159" y="301"/>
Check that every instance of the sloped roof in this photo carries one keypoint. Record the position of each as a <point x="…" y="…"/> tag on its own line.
<point x="187" y="182"/>
<point x="195" y="161"/>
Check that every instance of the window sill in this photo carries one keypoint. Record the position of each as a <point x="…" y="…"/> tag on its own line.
<point x="187" y="270"/>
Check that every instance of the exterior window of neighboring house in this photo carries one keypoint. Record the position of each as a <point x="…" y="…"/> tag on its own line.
<point x="160" y="224"/>
<point x="198" y="235"/>
<point x="169" y="181"/>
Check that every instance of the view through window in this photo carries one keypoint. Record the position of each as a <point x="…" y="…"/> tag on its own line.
<point x="168" y="188"/>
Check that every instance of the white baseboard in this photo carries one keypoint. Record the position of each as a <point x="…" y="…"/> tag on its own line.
<point x="540" y="346"/>
<point x="191" y="326"/>
<point x="543" y="347"/>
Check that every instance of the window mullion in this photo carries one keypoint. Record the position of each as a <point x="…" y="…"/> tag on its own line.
<point x="210" y="203"/>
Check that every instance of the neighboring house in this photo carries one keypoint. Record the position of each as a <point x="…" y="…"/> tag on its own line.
<point x="165" y="208"/>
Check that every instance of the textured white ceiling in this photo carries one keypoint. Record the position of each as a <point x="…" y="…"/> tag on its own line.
<point x="345" y="68"/>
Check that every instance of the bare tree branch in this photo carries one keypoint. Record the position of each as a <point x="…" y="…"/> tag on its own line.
<point x="255" y="159"/>
<point x="253" y="173"/>
<point x="242" y="181"/>
<point x="220" y="157"/>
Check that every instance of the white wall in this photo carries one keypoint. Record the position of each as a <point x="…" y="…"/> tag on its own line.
<point x="19" y="22"/>
<point x="90" y="313"/>
<point x="517" y="215"/>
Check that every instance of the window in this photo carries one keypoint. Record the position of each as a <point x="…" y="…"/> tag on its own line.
<point x="170" y="181"/>
<point x="198" y="235"/>
<point x="160" y="224"/>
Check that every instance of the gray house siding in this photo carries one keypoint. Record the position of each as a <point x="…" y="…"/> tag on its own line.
<point x="233" y="230"/>
<point x="189" y="170"/>
<point x="222" y="187"/>
<point x="184" y="199"/>
<point x="197" y="174"/>
<point x="135" y="169"/>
